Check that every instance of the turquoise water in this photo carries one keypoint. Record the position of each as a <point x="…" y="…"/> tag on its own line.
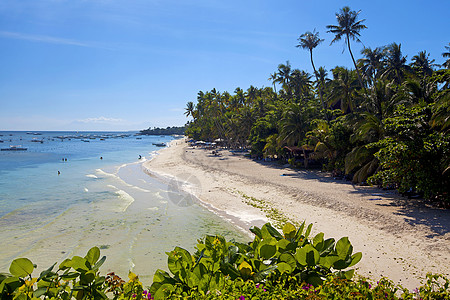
<point x="110" y="202"/>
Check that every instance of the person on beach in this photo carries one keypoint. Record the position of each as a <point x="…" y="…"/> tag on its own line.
<point x="59" y="173"/>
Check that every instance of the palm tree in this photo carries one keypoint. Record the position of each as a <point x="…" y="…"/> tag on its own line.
<point x="284" y="76"/>
<point x="348" y="27"/>
<point x="273" y="78"/>
<point x="189" y="109"/>
<point x="310" y="40"/>
<point x="447" y="54"/>
<point x="300" y="83"/>
<point x="371" y="64"/>
<point x="343" y="89"/>
<point x="395" y="63"/>
<point x="422" y="62"/>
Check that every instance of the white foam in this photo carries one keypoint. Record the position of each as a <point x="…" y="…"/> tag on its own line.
<point x="86" y="190"/>
<point x="141" y="189"/>
<point x="101" y="172"/>
<point x="112" y="187"/>
<point x="91" y="176"/>
<point x="127" y="200"/>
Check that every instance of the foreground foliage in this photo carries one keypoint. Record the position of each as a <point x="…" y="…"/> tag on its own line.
<point x="287" y="265"/>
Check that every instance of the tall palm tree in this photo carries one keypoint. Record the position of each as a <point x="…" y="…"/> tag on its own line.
<point x="310" y="40"/>
<point x="348" y="27"/>
<point x="284" y="76"/>
<point x="447" y="54"/>
<point x="273" y="78"/>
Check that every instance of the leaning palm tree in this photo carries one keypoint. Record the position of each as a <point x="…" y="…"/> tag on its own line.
<point x="348" y="27"/>
<point x="310" y="40"/>
<point x="189" y="109"/>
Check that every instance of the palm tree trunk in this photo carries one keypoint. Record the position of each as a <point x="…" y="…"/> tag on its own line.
<point x="356" y="67"/>
<point x="320" y="85"/>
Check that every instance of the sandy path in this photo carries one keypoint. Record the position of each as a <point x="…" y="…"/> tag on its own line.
<point x="400" y="239"/>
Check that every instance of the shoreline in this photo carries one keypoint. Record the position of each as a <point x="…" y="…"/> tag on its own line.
<point x="399" y="238"/>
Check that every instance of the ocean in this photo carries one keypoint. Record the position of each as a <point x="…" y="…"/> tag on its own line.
<point x="70" y="191"/>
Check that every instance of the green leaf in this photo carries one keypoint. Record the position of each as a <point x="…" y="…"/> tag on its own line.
<point x="245" y="269"/>
<point x="260" y="276"/>
<point x="99" y="263"/>
<point x="307" y="255"/>
<point x="300" y="231"/>
<point x="66" y="264"/>
<point x="344" y="248"/>
<point x="87" y="278"/>
<point x="46" y="272"/>
<point x="308" y="231"/>
<point x="284" y="267"/>
<point x="79" y="263"/>
<point x="163" y="291"/>
<point x="256" y="231"/>
<point x="268" y="231"/>
<point x="355" y="259"/>
<point x="267" y="248"/>
<point x="289" y="231"/>
<point x="328" y="261"/>
<point x="21" y="267"/>
<point x="92" y="255"/>
<point x="318" y="241"/>
<point x="289" y="259"/>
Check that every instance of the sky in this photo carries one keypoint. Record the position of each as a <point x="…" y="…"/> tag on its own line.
<point x="134" y="64"/>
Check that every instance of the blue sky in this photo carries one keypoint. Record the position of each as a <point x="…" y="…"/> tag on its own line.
<point x="131" y="64"/>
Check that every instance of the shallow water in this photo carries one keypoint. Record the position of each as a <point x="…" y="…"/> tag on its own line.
<point x="110" y="203"/>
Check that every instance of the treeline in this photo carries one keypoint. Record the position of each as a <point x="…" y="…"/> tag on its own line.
<point x="164" y="131"/>
<point x="385" y="122"/>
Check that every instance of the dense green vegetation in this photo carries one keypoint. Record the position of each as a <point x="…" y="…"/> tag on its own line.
<point x="164" y="131"/>
<point x="385" y="122"/>
<point x="287" y="265"/>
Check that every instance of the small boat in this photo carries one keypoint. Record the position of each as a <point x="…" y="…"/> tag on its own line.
<point x="14" y="148"/>
<point x="139" y="138"/>
<point x="159" y="144"/>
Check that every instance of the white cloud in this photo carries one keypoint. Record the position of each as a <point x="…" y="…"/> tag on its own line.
<point x="48" y="39"/>
<point x="101" y="120"/>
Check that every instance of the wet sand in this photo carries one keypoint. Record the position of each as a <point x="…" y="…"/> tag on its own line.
<point x="401" y="239"/>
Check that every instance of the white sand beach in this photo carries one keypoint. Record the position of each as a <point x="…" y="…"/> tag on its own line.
<point x="401" y="239"/>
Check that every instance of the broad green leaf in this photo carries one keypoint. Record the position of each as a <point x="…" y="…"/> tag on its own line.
<point x="46" y="272"/>
<point x="79" y="263"/>
<point x="21" y="267"/>
<point x="93" y="255"/>
<point x="307" y="255"/>
<point x="87" y="278"/>
<point x="289" y="259"/>
<point x="245" y="269"/>
<point x="327" y="247"/>
<point x="163" y="291"/>
<point x="66" y="264"/>
<point x="318" y="241"/>
<point x="289" y="231"/>
<point x="267" y="248"/>
<point x="328" y="261"/>
<point x="355" y="259"/>
<point x="344" y="248"/>
<point x="284" y="267"/>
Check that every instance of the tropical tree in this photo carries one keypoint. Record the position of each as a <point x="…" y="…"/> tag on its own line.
<point x="189" y="110"/>
<point x="371" y="63"/>
<point x="422" y="63"/>
<point x="310" y="40"/>
<point x="348" y="27"/>
<point x="395" y="67"/>
<point x="446" y="64"/>
<point x="343" y="89"/>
